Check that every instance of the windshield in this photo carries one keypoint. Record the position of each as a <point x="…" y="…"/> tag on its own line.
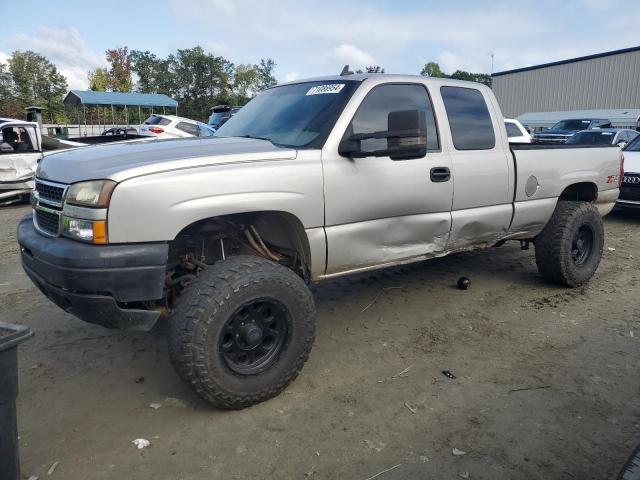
<point x="634" y="145"/>
<point x="298" y="115"/>
<point x="216" y="118"/>
<point x="572" y="125"/>
<point x="592" y="137"/>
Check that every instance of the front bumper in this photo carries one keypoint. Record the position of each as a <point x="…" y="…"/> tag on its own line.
<point x="102" y="284"/>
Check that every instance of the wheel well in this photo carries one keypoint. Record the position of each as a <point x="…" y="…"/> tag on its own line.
<point x="580" y="192"/>
<point x="278" y="236"/>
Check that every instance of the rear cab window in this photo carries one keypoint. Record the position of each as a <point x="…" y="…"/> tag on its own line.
<point x="513" y="130"/>
<point x="155" y="120"/>
<point x="469" y="118"/>
<point x="188" y="128"/>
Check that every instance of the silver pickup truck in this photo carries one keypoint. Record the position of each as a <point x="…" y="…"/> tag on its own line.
<point x="311" y="181"/>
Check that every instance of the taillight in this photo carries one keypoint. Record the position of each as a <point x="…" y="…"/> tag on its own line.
<point x="156" y="130"/>
<point x="621" y="177"/>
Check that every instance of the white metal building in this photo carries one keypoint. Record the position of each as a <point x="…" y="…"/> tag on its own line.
<point x="603" y="81"/>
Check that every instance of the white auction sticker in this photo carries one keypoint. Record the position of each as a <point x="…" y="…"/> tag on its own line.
<point x="329" y="88"/>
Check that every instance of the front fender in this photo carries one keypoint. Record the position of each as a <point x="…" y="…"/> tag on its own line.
<point x="157" y="207"/>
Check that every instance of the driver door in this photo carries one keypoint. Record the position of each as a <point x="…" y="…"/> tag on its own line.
<point x="19" y="157"/>
<point x="381" y="211"/>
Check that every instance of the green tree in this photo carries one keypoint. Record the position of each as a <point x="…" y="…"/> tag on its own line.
<point x="472" y="77"/>
<point x="432" y="69"/>
<point x="99" y="80"/>
<point x="246" y="83"/>
<point x="265" y="73"/>
<point x="36" y="81"/>
<point x="121" y="67"/>
<point x="201" y="80"/>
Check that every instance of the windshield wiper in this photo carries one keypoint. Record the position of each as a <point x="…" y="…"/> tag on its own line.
<point x="254" y="137"/>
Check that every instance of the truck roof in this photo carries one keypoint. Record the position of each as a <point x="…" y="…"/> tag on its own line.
<point x="389" y="77"/>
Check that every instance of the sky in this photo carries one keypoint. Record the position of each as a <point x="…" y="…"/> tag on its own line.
<point x="311" y="38"/>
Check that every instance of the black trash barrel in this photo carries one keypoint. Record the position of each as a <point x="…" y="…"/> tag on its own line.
<point x="10" y="337"/>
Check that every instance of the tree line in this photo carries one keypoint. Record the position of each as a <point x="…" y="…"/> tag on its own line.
<point x="196" y="79"/>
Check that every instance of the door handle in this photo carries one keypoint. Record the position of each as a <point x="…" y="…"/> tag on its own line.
<point x="440" y="174"/>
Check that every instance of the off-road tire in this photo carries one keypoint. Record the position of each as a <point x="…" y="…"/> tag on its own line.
<point x="554" y="245"/>
<point x="631" y="469"/>
<point x="197" y="322"/>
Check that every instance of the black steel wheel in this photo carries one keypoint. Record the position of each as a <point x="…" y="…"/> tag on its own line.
<point x="242" y="331"/>
<point x="582" y="244"/>
<point x="254" y="336"/>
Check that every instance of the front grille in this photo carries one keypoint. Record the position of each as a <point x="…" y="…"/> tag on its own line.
<point x="47" y="222"/>
<point x="630" y="193"/>
<point x="50" y="193"/>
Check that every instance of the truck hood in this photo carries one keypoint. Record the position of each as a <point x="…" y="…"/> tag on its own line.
<point x="556" y="132"/>
<point x="122" y="161"/>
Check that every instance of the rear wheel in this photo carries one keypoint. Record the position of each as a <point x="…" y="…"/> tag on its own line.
<point x="242" y="331"/>
<point x="569" y="249"/>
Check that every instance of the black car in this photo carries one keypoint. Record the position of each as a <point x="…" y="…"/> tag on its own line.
<point x="604" y="136"/>
<point x="565" y="128"/>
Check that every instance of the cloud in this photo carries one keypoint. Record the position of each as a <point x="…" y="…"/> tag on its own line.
<point x="312" y="40"/>
<point x="291" y="76"/>
<point x="66" y="48"/>
<point x="353" y="56"/>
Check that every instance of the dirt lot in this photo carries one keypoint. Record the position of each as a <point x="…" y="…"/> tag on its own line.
<point x="547" y="380"/>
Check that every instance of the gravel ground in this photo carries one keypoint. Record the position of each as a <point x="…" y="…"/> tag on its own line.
<point x="547" y="380"/>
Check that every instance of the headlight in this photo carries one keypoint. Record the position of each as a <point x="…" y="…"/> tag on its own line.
<point x="92" y="231"/>
<point x="95" y="193"/>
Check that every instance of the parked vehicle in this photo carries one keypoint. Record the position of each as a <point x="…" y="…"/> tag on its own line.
<point x="170" y="126"/>
<point x="310" y="181"/>
<point x="20" y="152"/>
<point x="220" y="114"/>
<point x="516" y="132"/>
<point x="630" y="189"/>
<point x="565" y="128"/>
<point x="605" y="136"/>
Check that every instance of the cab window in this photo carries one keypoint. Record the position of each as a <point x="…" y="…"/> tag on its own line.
<point x="373" y="114"/>
<point x="469" y="118"/>
<point x="16" y="140"/>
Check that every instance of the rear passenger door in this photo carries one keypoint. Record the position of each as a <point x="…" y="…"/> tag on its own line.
<point x="482" y="168"/>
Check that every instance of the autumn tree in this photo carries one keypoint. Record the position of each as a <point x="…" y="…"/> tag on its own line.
<point x="120" y="71"/>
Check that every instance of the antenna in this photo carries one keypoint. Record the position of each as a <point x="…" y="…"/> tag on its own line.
<point x="345" y="71"/>
<point x="492" y="55"/>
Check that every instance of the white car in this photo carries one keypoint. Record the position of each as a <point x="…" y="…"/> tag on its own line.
<point x="516" y="132"/>
<point x="630" y="187"/>
<point x="171" y="126"/>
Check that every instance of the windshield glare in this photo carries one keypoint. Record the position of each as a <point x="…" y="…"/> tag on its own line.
<point x="298" y="115"/>
<point x="572" y="125"/>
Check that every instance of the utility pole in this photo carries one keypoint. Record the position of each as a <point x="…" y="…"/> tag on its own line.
<point x="492" y="55"/>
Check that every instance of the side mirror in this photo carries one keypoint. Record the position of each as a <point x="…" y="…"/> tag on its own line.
<point x="6" y="148"/>
<point x="406" y="138"/>
<point x="622" y="144"/>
